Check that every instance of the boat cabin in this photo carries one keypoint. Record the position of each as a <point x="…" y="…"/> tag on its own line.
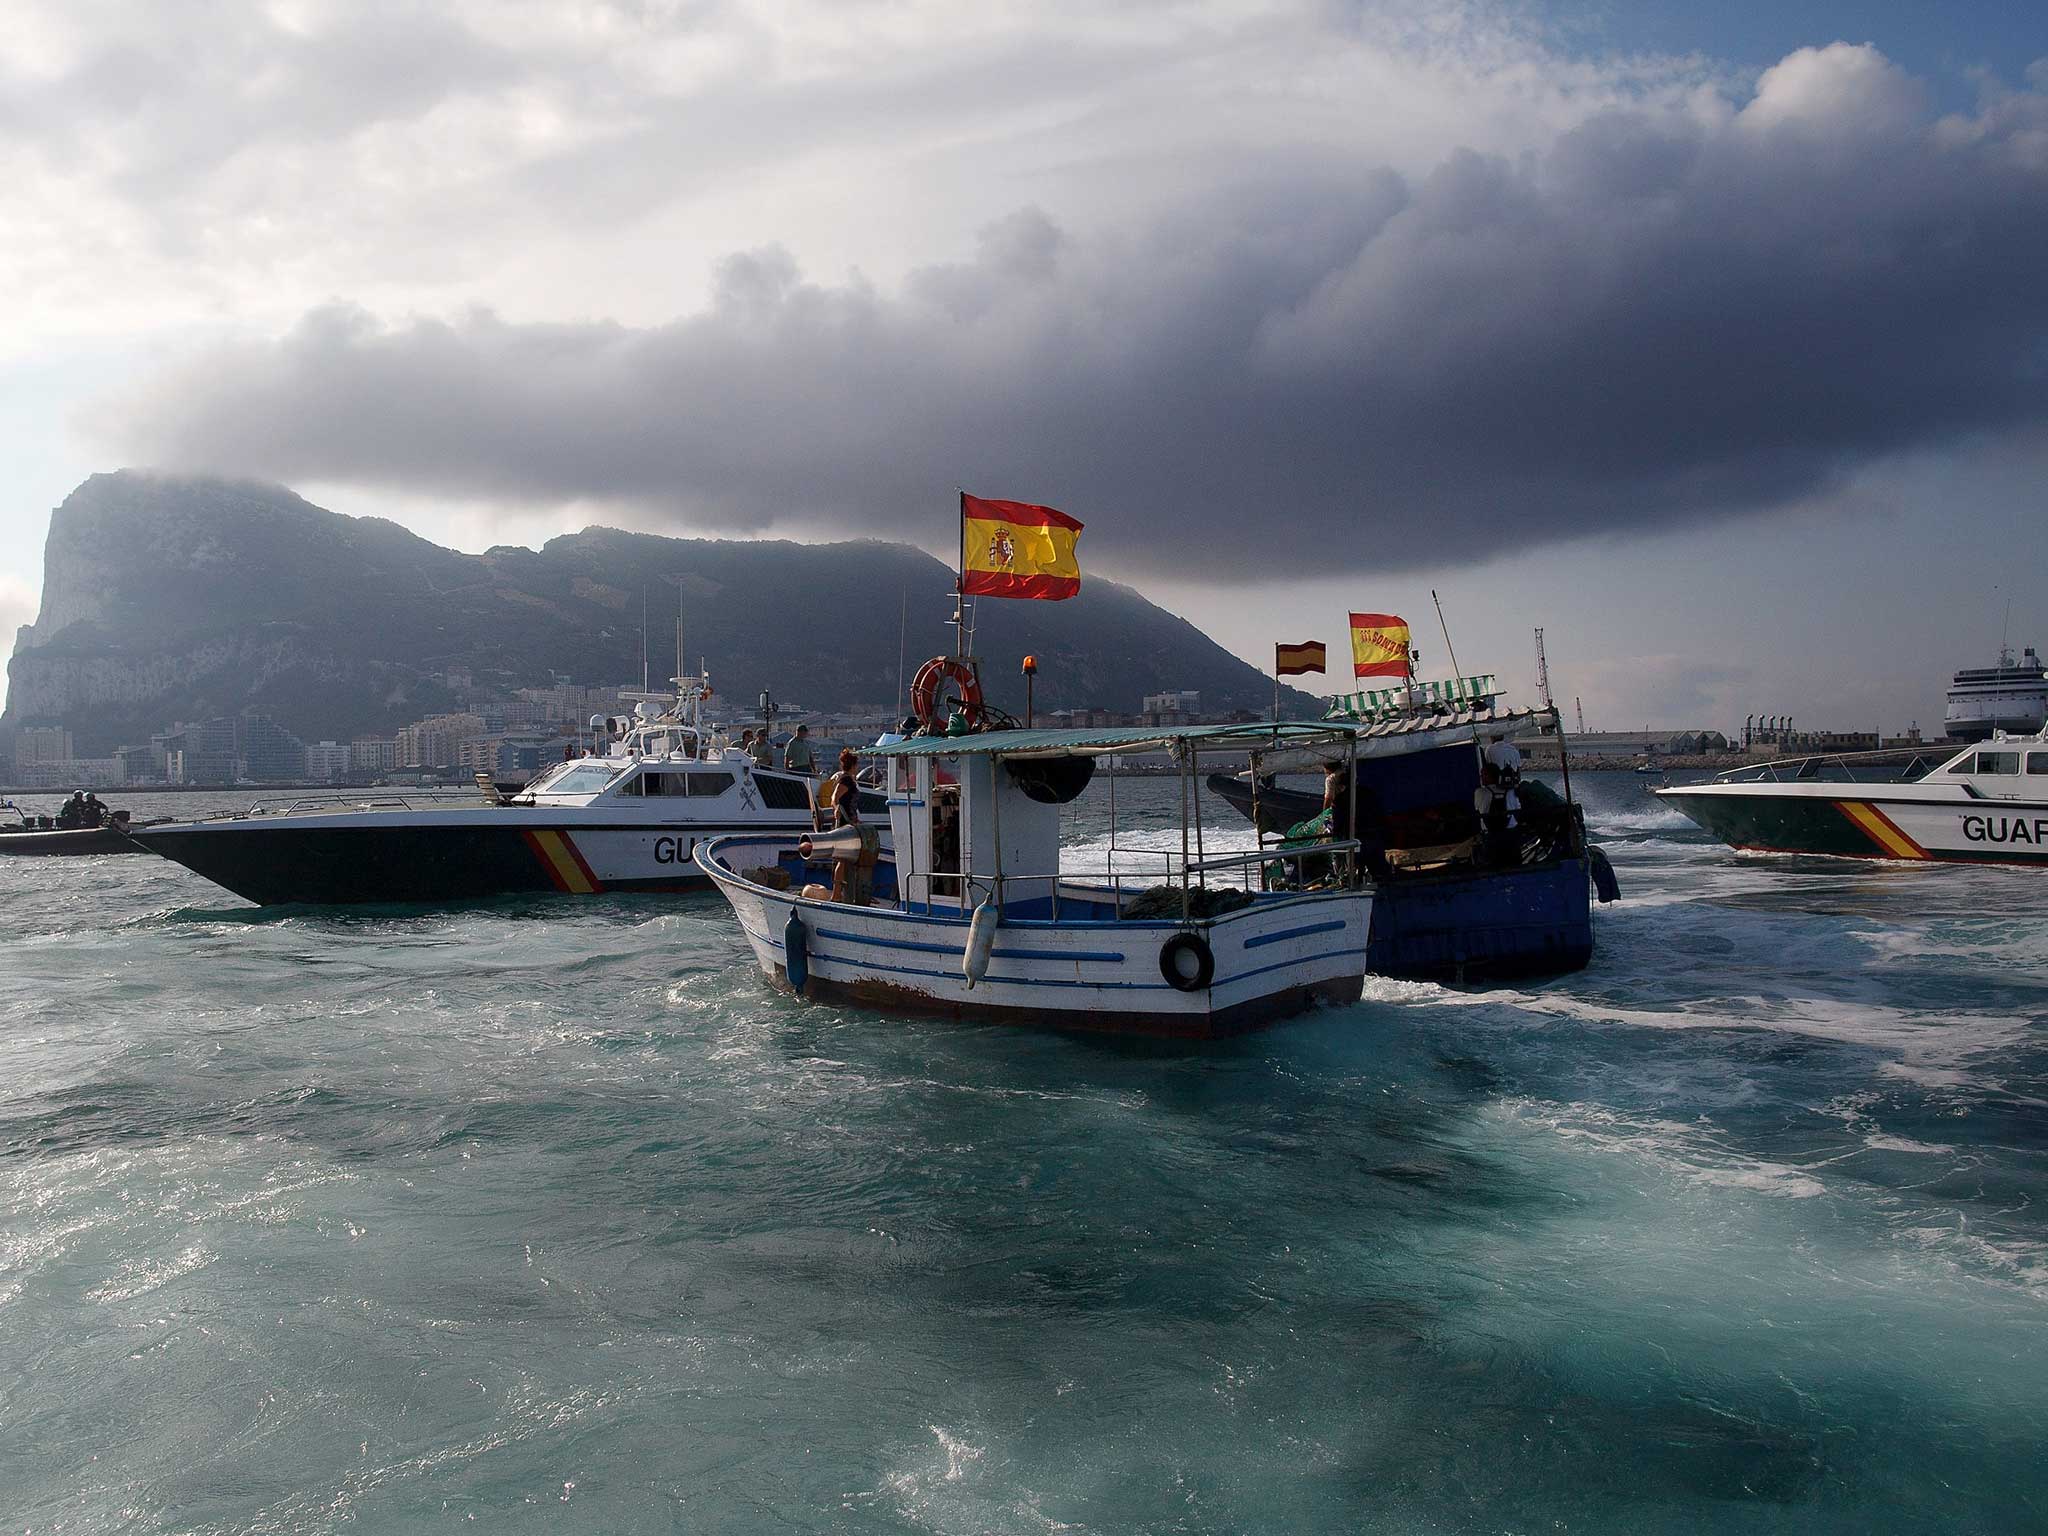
<point x="977" y="817"/>
<point x="2003" y="768"/>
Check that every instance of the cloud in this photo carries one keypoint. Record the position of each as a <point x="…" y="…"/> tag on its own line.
<point x="1669" y="303"/>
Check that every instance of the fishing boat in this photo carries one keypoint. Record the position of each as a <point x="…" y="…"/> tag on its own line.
<point x="982" y="920"/>
<point x="1452" y="903"/>
<point x="627" y="817"/>
<point x="1987" y="804"/>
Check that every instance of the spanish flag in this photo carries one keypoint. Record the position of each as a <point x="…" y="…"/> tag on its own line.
<point x="1013" y="549"/>
<point x="1293" y="660"/>
<point x="1379" y="645"/>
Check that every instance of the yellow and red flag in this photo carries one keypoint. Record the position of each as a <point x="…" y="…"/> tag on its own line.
<point x="1293" y="660"/>
<point x="1015" y="549"/>
<point x="1379" y="645"/>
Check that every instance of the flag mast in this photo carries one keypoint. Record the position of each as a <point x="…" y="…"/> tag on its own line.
<point x="959" y="619"/>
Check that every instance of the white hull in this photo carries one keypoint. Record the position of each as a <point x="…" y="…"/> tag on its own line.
<point x="1284" y="953"/>
<point x="1870" y="821"/>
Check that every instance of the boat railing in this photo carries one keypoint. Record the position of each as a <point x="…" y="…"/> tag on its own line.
<point x="1887" y="765"/>
<point x="1338" y="858"/>
<point x="378" y="800"/>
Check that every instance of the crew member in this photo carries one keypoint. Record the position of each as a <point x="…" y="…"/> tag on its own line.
<point x="1506" y="759"/>
<point x="840" y="793"/>
<point x="1497" y="804"/>
<point x="797" y="757"/>
<point x="764" y="749"/>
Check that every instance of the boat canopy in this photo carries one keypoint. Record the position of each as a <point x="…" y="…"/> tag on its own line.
<point x="1250" y="736"/>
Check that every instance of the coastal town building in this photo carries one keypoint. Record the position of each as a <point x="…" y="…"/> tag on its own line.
<point x="436" y="741"/>
<point x="327" y="762"/>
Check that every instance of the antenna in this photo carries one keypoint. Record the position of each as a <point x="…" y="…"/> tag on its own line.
<point x="643" y="637"/>
<point x="1449" y="649"/>
<point x="1542" y="669"/>
<point x="902" y="641"/>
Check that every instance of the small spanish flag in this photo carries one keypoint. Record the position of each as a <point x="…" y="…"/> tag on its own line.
<point x="1379" y="645"/>
<point x="1293" y="660"/>
<point x="1014" y="549"/>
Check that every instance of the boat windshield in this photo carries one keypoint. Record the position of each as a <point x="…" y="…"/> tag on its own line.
<point x="579" y="779"/>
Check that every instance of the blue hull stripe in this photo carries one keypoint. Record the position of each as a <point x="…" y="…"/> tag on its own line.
<point x="1293" y="933"/>
<point x="1051" y="981"/>
<point x="1104" y="955"/>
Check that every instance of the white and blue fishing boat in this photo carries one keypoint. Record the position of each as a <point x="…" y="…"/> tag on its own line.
<point x="976" y="918"/>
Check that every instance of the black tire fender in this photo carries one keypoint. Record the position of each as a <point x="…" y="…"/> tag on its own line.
<point x="1170" y="962"/>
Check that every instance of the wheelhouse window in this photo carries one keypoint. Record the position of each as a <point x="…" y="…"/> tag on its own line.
<point x="1964" y="765"/>
<point x="2037" y="762"/>
<point x="779" y="794"/>
<point x="1998" y="762"/>
<point x="582" y="779"/>
<point x="707" y="783"/>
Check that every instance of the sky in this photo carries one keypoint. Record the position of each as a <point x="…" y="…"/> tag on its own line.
<point x="1714" y="340"/>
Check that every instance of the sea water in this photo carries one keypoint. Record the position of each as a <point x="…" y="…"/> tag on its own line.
<point x="549" y="1215"/>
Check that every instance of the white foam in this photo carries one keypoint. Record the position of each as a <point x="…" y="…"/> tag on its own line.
<point x="1879" y="1142"/>
<point x="138" y="1277"/>
<point x="1695" y="1152"/>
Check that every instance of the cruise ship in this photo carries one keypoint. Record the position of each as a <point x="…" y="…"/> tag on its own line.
<point x="2012" y="696"/>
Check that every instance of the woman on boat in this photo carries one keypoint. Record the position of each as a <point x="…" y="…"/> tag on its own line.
<point x="840" y="794"/>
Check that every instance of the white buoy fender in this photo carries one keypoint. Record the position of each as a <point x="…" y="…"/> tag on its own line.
<point x="981" y="939"/>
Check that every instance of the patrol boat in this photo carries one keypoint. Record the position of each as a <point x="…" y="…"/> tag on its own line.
<point x="1987" y="804"/>
<point x="626" y="819"/>
<point x="981" y="921"/>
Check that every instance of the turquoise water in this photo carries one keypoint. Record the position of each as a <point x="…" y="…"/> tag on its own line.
<point x="550" y="1216"/>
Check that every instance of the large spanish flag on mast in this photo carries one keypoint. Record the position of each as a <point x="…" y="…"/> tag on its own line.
<point x="1379" y="645"/>
<point x="1014" y="549"/>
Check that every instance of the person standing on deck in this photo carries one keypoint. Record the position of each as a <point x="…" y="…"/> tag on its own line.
<point x="797" y="757"/>
<point x="1506" y="759"/>
<point x="840" y="794"/>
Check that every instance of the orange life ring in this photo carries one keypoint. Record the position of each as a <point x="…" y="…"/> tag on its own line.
<point x="924" y="691"/>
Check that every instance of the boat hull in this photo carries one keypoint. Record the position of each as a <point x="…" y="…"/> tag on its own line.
<point x="1848" y="821"/>
<point x="69" y="842"/>
<point x="1496" y="924"/>
<point x="1503" y="923"/>
<point x="1271" y="960"/>
<point x="284" y="862"/>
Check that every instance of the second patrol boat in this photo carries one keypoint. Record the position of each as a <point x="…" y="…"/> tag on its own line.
<point x="626" y="819"/>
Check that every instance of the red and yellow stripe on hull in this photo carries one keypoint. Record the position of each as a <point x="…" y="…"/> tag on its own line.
<point x="564" y="865"/>
<point x="1881" y="830"/>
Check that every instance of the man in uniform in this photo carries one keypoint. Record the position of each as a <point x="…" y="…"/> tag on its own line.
<point x="797" y="757"/>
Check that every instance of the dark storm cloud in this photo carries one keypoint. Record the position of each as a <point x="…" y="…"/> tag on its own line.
<point x="1657" y="316"/>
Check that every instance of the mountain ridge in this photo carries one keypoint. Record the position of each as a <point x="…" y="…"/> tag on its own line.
<point x="180" y="597"/>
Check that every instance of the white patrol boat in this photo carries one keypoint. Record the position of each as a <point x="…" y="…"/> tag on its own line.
<point x="625" y="819"/>
<point x="974" y="917"/>
<point x="1987" y="804"/>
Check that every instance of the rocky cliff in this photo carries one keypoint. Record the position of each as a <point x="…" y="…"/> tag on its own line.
<point x="178" y="598"/>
